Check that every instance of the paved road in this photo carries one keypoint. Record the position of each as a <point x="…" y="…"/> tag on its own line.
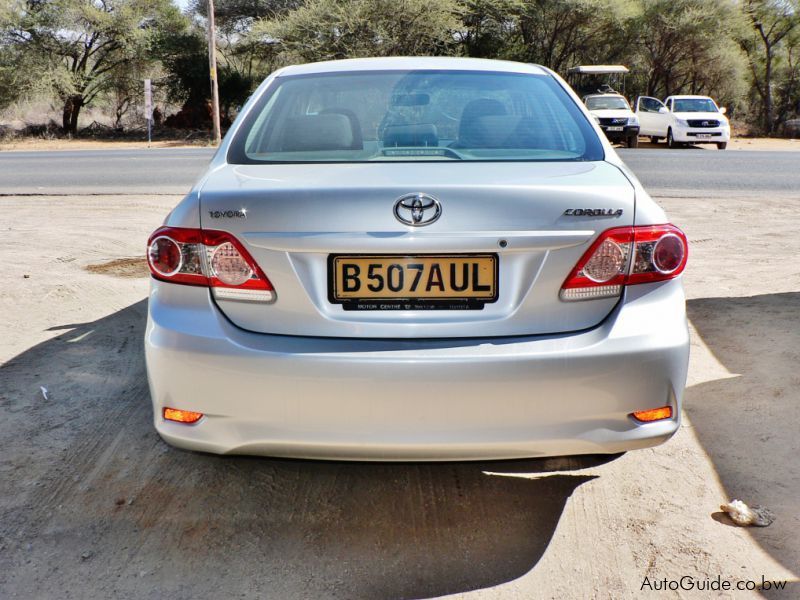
<point x="153" y="171"/>
<point x="172" y="171"/>
<point x="690" y="172"/>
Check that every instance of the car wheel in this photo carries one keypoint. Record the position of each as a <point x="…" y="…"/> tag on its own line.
<point x="654" y="139"/>
<point x="722" y="145"/>
<point x="633" y="141"/>
<point x="671" y="143"/>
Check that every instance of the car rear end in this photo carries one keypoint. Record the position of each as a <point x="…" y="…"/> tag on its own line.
<point x="444" y="281"/>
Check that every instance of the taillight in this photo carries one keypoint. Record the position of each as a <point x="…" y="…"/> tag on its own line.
<point x="182" y="416"/>
<point x="209" y="258"/>
<point x="627" y="256"/>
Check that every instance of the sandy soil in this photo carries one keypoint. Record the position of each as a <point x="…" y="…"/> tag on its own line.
<point x="94" y="505"/>
<point x="773" y="144"/>
<point x="36" y="144"/>
<point x="738" y="143"/>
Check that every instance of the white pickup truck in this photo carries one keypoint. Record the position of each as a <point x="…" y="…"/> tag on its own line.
<point x="682" y="120"/>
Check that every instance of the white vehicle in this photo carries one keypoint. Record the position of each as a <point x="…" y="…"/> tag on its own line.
<point x="615" y="117"/>
<point x="683" y="119"/>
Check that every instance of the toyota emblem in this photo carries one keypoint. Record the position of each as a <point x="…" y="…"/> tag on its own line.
<point x="417" y="210"/>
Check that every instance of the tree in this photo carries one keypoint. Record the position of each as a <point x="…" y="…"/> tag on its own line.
<point x="86" y="43"/>
<point x="238" y="16"/>
<point x="686" y="46"/>
<point x="184" y="56"/>
<point x="771" y="21"/>
<point x="787" y="89"/>
<point x="334" y="29"/>
<point x="488" y="26"/>
<point x="562" y="33"/>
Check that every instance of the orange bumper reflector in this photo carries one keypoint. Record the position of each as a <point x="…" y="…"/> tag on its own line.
<point x="653" y="414"/>
<point x="182" y="416"/>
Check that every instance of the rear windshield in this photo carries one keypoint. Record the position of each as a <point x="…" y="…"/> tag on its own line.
<point x="414" y="116"/>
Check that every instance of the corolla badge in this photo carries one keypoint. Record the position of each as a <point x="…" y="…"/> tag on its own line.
<point x="417" y="209"/>
<point x="593" y="212"/>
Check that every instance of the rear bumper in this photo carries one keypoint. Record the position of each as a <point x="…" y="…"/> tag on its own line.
<point x="416" y="399"/>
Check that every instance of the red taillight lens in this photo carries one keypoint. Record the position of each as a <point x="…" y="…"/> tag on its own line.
<point x="164" y="255"/>
<point x="660" y="253"/>
<point x="627" y="256"/>
<point x="209" y="258"/>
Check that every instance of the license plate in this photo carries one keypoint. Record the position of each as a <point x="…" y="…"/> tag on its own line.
<point x="614" y="128"/>
<point x="703" y="136"/>
<point x="417" y="282"/>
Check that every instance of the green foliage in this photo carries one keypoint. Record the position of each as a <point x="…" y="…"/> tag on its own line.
<point x="487" y="26"/>
<point x="771" y="43"/>
<point x="685" y="46"/>
<point x="237" y="16"/>
<point x="745" y="53"/>
<point x="81" y="47"/>
<point x="334" y="29"/>
<point x="563" y="33"/>
<point x="184" y="55"/>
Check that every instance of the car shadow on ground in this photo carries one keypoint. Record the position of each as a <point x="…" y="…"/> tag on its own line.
<point x="646" y="143"/>
<point x="748" y="421"/>
<point x="96" y="505"/>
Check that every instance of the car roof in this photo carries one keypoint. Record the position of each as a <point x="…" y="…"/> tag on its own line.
<point x="688" y="97"/>
<point x="599" y="69"/>
<point x="604" y="96"/>
<point x="413" y="63"/>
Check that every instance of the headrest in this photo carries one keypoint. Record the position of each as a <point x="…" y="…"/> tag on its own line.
<point x="494" y="132"/>
<point x="474" y="110"/>
<point x="332" y="131"/>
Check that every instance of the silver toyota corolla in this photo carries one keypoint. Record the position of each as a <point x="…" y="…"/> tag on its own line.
<point x="416" y="259"/>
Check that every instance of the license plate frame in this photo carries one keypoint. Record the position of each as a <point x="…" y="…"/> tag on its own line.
<point x="401" y="299"/>
<point x="704" y="136"/>
<point x="615" y="128"/>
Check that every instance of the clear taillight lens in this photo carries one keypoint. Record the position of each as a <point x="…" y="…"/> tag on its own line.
<point x="626" y="256"/>
<point x="607" y="261"/>
<point x="208" y="258"/>
<point x="229" y="266"/>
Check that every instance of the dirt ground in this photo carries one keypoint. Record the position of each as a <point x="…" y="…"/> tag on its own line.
<point x="94" y="505"/>
<point x="38" y="144"/>
<point x="736" y="143"/>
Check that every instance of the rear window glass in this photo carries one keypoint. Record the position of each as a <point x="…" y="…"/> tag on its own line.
<point x="414" y="116"/>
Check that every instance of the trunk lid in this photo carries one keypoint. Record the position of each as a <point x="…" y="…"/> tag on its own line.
<point x="293" y="217"/>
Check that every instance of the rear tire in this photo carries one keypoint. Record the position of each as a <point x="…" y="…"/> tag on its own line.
<point x="671" y="143"/>
<point x="633" y="141"/>
<point x="722" y="145"/>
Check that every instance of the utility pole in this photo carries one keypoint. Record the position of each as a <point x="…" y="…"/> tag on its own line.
<point x="212" y="63"/>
